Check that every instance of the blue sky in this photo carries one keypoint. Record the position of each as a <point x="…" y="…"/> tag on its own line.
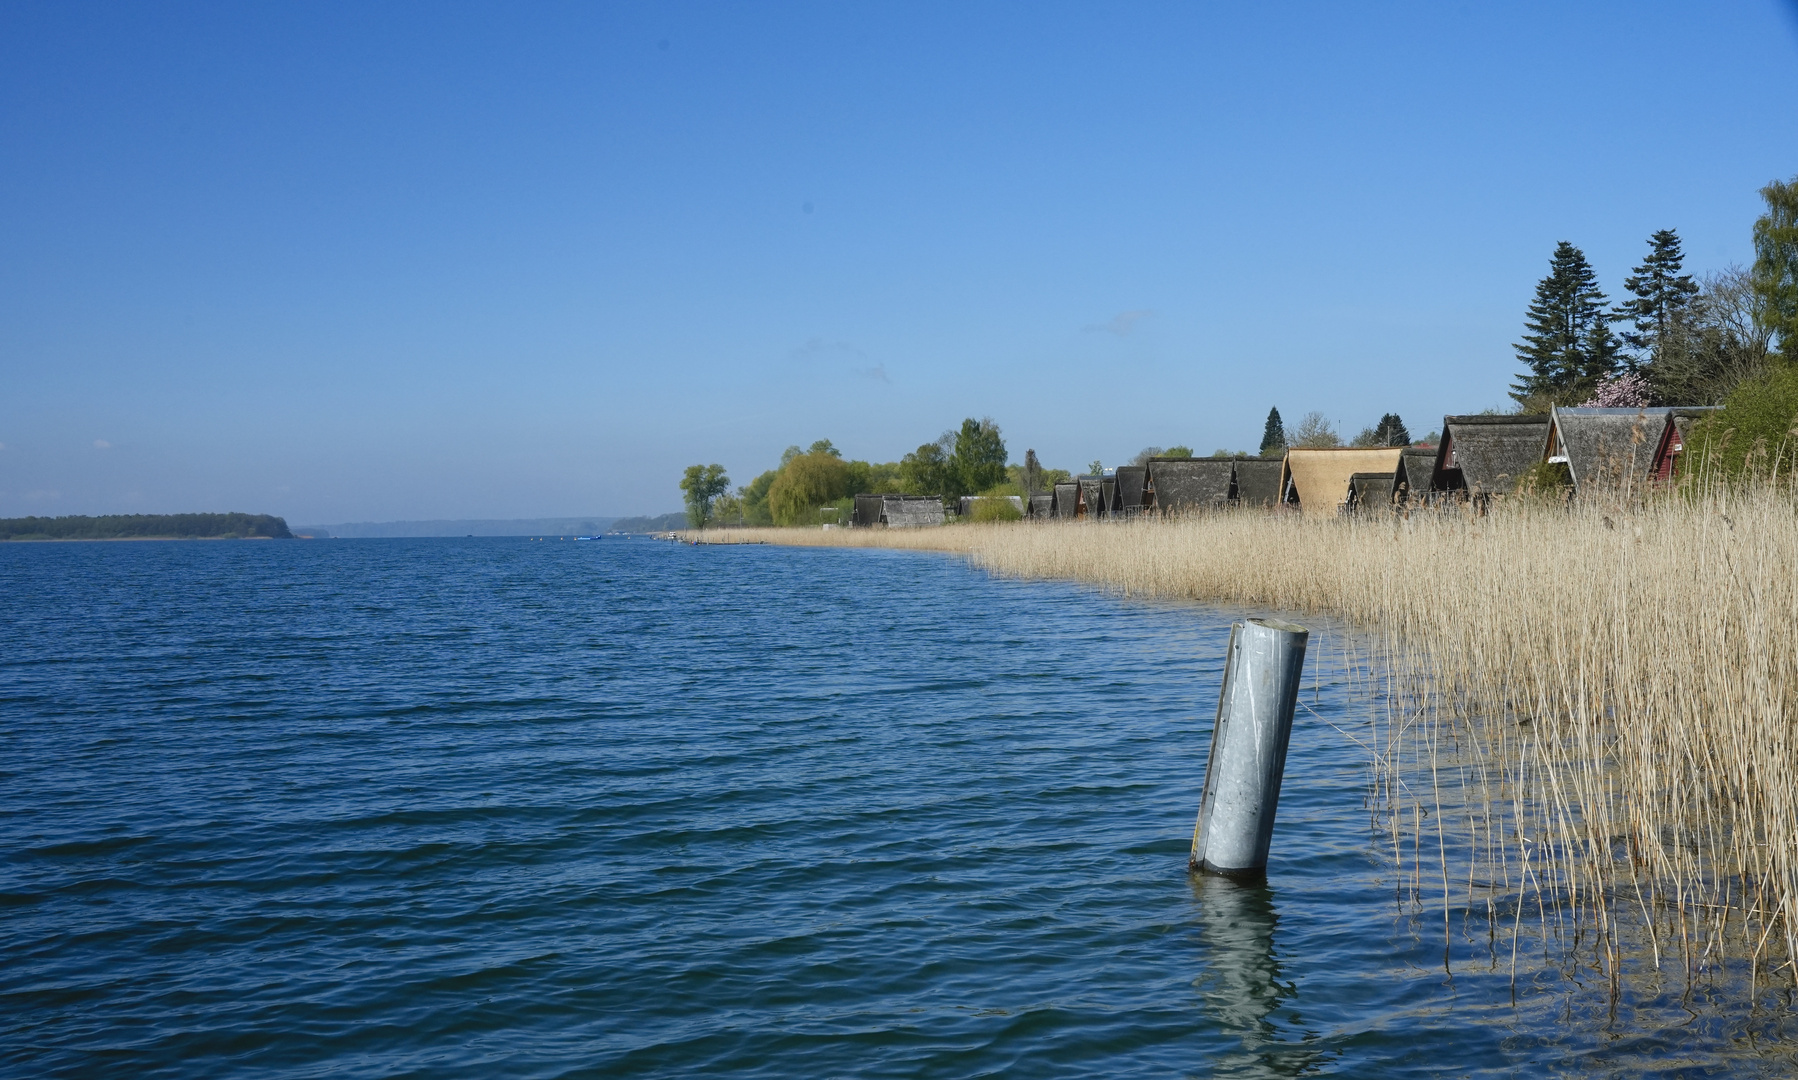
<point x="371" y="262"/>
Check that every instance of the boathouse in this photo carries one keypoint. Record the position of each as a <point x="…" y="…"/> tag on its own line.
<point x="1182" y="485"/>
<point x="1416" y="472"/>
<point x="1258" y="482"/>
<point x="1040" y="507"/>
<point x="1066" y="500"/>
<point x="867" y="512"/>
<point x="1487" y="455"/>
<point x="1094" y="498"/>
<point x="1319" y="479"/>
<point x="1669" y="452"/>
<point x="1130" y="484"/>
<point x="911" y="511"/>
<point x="965" y="507"/>
<point x="1371" y="491"/>
<point x="1606" y="451"/>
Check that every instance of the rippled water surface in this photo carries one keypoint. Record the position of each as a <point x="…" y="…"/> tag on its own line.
<point x="477" y="808"/>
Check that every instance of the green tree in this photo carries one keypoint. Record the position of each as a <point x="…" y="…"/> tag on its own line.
<point x="1568" y="348"/>
<point x="1776" y="262"/>
<point x="1659" y="297"/>
<point x="700" y="485"/>
<point x="1391" y="431"/>
<point x="1177" y="451"/>
<point x="1032" y="478"/>
<point x="804" y="484"/>
<point x="978" y="459"/>
<point x="1273" y="435"/>
<point x="755" y="499"/>
<point x="925" y="471"/>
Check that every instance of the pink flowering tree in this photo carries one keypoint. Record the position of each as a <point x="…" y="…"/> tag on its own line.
<point x="1627" y="391"/>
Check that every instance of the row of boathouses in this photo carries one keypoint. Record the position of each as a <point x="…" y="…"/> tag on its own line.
<point x="1478" y="457"/>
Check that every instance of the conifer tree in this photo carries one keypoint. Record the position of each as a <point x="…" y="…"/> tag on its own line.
<point x="1390" y="431"/>
<point x="1568" y="346"/>
<point x="1273" y="436"/>
<point x="1660" y="295"/>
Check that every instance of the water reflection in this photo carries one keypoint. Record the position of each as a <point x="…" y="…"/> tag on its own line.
<point x="1241" y="984"/>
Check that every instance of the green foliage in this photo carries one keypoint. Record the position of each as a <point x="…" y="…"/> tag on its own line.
<point x="995" y="510"/>
<point x="823" y="446"/>
<point x="1177" y="452"/>
<point x="1757" y="427"/>
<point x="700" y="485"/>
<point x="1273" y="435"/>
<point x="1660" y="295"/>
<point x="1776" y="262"/>
<point x="1568" y="348"/>
<point x="805" y="483"/>
<point x="1547" y="480"/>
<point x="1390" y="431"/>
<point x="1007" y="488"/>
<point x="146" y="526"/>
<point x="1029" y="476"/>
<point x="978" y="460"/>
<point x="883" y="478"/>
<point x="1220" y="454"/>
<point x="925" y="471"/>
<point x="755" y="499"/>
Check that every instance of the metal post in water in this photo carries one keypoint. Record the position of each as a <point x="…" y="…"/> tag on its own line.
<point x="1248" y="747"/>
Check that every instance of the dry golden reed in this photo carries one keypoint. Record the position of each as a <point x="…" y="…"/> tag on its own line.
<point x="1599" y="700"/>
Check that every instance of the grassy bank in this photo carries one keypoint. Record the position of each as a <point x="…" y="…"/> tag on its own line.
<point x="1600" y="700"/>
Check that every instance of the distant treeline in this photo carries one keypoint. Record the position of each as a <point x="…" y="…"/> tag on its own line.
<point x="146" y="526"/>
<point x="660" y="523"/>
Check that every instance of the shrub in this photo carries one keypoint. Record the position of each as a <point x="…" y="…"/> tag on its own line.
<point x="1756" y="430"/>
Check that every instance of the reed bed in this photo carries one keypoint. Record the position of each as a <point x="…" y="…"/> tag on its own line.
<point x="1591" y="708"/>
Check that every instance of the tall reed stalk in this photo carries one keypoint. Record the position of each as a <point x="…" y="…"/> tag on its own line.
<point x="1594" y="705"/>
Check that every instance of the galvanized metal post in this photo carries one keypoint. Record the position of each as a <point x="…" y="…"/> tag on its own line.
<point x="1248" y="747"/>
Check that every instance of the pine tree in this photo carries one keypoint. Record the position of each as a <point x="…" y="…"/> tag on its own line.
<point x="1273" y="436"/>
<point x="1660" y="296"/>
<point x="1569" y="347"/>
<point x="1390" y="431"/>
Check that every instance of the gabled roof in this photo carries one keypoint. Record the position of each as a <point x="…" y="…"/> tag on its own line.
<point x="1417" y="470"/>
<point x="1067" y="499"/>
<point x="1606" y="449"/>
<point x="1041" y="506"/>
<point x="1182" y="484"/>
<point x="1131" y="480"/>
<point x="1371" y="489"/>
<point x="1257" y="481"/>
<point x="1321" y="476"/>
<point x="911" y="511"/>
<point x="1489" y="454"/>
<point x="1092" y="495"/>
<point x="1680" y="419"/>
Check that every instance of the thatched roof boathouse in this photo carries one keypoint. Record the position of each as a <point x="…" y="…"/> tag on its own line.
<point x="1130" y="487"/>
<point x="1669" y="453"/>
<point x="1606" y="450"/>
<point x="1094" y="498"/>
<point x="867" y="512"/>
<point x="1258" y="482"/>
<point x="1487" y="455"/>
<point x="965" y="507"/>
<point x="1416" y="474"/>
<point x="1066" y="501"/>
<point x="1182" y="485"/>
<point x="1370" y="491"/>
<point x="911" y="511"/>
<point x="1320" y="478"/>
<point x="1040" y="507"/>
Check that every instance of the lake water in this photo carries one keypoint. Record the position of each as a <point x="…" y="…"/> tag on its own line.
<point x="512" y="808"/>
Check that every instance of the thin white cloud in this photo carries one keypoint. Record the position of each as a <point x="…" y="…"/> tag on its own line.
<point x="102" y="444"/>
<point x="1123" y="322"/>
<point x="878" y="373"/>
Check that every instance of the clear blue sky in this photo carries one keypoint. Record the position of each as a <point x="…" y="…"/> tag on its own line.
<point x="378" y="261"/>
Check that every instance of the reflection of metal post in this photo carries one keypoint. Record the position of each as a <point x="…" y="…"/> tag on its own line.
<point x="1248" y="746"/>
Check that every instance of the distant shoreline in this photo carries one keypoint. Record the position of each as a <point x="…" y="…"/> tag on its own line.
<point x="122" y="539"/>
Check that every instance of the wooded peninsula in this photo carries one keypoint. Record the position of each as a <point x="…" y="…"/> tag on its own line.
<point x="147" y="527"/>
